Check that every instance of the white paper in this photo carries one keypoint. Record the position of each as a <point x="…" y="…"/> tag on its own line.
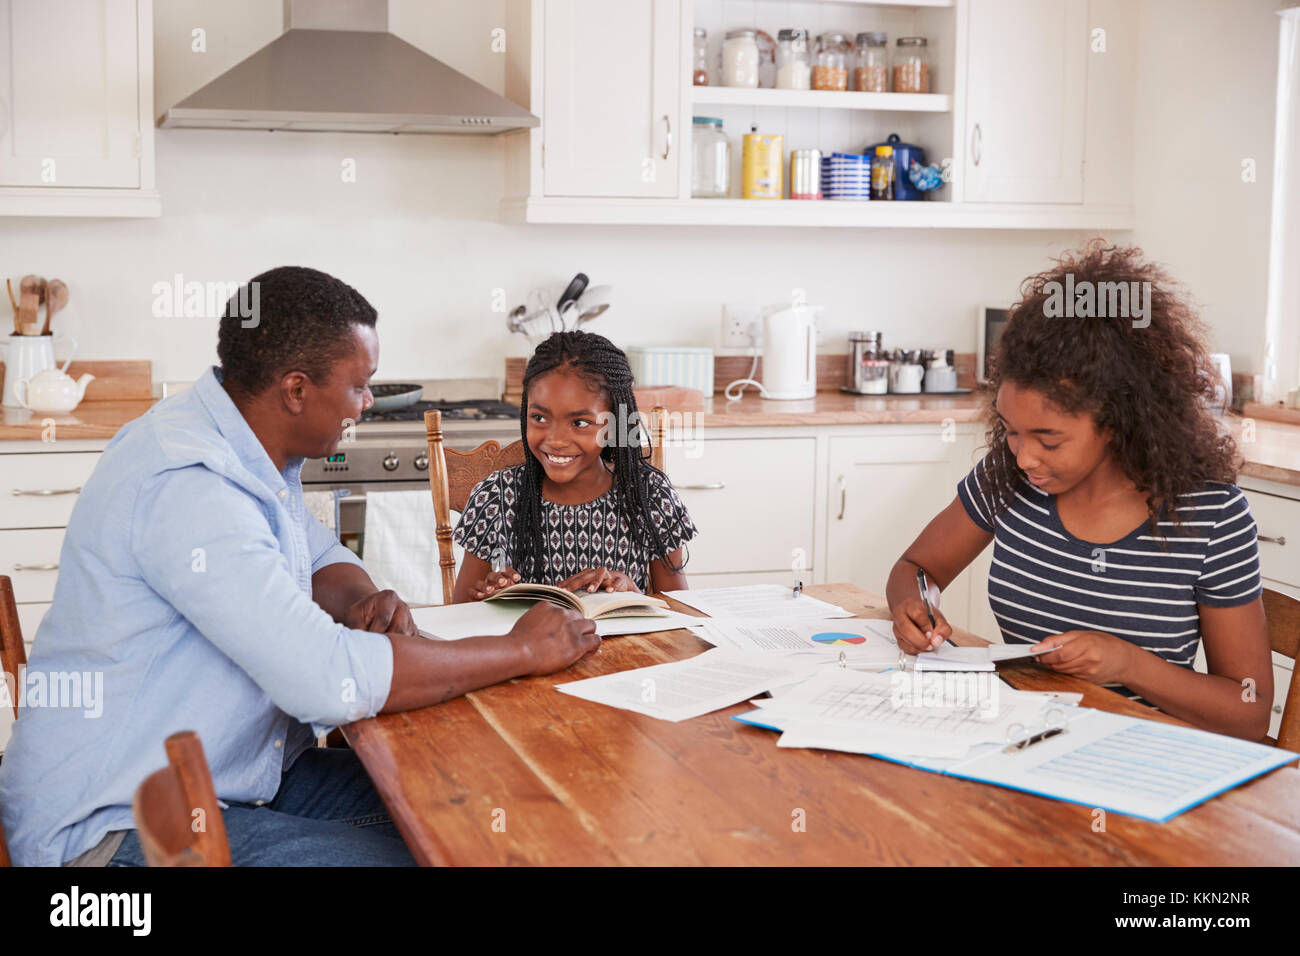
<point x="862" y="641"/>
<point x="940" y="715"/>
<point x="757" y="601"/>
<point x="690" y="688"/>
<point x="452" y="622"/>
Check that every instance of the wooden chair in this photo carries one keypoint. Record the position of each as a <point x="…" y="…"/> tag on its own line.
<point x="453" y="475"/>
<point x="167" y="805"/>
<point x="13" y="657"/>
<point x="1283" y="613"/>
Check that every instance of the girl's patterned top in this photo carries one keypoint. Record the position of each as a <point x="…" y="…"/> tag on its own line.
<point x="577" y="537"/>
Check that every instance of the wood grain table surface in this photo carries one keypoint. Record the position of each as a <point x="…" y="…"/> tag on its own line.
<point x="518" y="773"/>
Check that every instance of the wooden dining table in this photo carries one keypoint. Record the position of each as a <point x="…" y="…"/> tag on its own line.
<point x="519" y="773"/>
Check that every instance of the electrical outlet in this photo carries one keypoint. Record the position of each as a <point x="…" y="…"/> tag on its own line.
<point x="755" y="333"/>
<point x="737" y="322"/>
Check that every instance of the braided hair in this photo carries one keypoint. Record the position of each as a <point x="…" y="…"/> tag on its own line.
<point x="602" y="365"/>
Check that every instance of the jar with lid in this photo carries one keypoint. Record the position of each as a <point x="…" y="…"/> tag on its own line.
<point x="831" y="66"/>
<point x="882" y="173"/>
<point x="911" y="66"/>
<point x="793" y="60"/>
<point x="700" y="73"/>
<point x="871" y="63"/>
<point x="740" y="59"/>
<point x="710" y="159"/>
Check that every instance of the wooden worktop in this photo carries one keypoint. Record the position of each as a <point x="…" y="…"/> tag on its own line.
<point x="87" y="420"/>
<point x="839" y="408"/>
<point x="121" y="392"/>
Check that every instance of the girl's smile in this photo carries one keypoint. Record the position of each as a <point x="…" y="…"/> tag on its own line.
<point x="564" y="434"/>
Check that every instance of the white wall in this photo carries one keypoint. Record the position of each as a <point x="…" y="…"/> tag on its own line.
<point x="1207" y="81"/>
<point x="419" y="232"/>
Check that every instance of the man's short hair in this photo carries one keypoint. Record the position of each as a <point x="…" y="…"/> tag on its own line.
<point x="302" y="321"/>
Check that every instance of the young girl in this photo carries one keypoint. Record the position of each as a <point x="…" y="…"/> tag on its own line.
<point x="1119" y="535"/>
<point x="585" y="510"/>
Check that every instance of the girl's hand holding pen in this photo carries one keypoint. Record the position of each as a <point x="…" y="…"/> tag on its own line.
<point x="912" y="627"/>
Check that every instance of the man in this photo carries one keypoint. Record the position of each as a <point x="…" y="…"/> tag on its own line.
<point x="194" y="582"/>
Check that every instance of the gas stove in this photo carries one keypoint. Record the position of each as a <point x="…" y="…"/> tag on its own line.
<point x="474" y="410"/>
<point x="390" y="448"/>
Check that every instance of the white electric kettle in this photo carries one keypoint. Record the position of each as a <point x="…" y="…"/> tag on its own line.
<point x="790" y="351"/>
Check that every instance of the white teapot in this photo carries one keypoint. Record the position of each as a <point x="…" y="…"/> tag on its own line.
<point x="53" y="391"/>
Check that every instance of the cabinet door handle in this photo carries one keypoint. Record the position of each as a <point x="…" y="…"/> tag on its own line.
<point x="37" y="567"/>
<point x="46" y="492"/>
<point x="668" y="142"/>
<point x="1280" y="539"/>
<point x="976" y="143"/>
<point x="844" y="491"/>
<point x="709" y="486"/>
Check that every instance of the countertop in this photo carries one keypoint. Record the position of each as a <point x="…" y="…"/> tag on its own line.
<point x="87" y="420"/>
<point x="839" y="408"/>
<point x="1271" y="451"/>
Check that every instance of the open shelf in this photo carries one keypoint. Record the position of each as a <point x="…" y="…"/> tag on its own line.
<point x="822" y="99"/>
<point x="925" y="214"/>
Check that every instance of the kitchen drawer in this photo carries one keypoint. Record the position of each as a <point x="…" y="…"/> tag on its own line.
<point x="751" y="498"/>
<point x="37" y="553"/>
<point x="39" y="490"/>
<point x="1278" y="519"/>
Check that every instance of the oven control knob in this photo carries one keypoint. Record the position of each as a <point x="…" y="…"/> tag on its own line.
<point x="390" y="462"/>
<point x="422" y="462"/>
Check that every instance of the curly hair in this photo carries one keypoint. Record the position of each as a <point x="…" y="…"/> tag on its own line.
<point x="304" y="322"/>
<point x="1151" y="385"/>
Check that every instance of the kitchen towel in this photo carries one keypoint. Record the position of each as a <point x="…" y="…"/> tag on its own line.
<point x="324" y="507"/>
<point x="400" y="549"/>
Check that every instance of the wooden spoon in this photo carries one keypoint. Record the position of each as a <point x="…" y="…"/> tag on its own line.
<point x="14" y="302"/>
<point x="29" y="288"/>
<point x="56" y="297"/>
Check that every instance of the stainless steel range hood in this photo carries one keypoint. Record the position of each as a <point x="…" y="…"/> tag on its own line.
<point x="338" y="69"/>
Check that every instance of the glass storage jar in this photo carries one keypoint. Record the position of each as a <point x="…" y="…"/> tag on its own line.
<point x="911" y="66"/>
<point x="831" y="67"/>
<point x="740" y="59"/>
<point x="700" y="73"/>
<point x="710" y="159"/>
<point x="871" y="63"/>
<point x="793" y="60"/>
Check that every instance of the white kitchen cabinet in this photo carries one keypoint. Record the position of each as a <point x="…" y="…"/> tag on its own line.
<point x="752" y="500"/>
<point x="611" y="76"/>
<point x="76" y="108"/>
<point x="883" y="490"/>
<point x="1026" y="76"/>
<point x="1276" y="510"/>
<point x="1028" y="113"/>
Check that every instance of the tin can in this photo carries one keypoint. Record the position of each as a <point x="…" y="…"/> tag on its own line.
<point x="805" y="174"/>
<point x="761" y="165"/>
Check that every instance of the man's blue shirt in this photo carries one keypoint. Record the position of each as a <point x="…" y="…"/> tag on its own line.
<point x="185" y="586"/>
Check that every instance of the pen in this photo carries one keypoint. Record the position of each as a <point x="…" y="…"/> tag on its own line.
<point x="923" y="586"/>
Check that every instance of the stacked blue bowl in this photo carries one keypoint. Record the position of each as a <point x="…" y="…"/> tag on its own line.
<point x="846" y="176"/>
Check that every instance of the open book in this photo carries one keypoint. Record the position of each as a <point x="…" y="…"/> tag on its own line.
<point x="596" y="605"/>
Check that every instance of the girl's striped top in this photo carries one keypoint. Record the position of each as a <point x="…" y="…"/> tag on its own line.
<point x="1144" y="589"/>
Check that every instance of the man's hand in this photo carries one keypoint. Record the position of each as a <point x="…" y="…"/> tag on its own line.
<point x="554" y="637"/>
<point x="383" y="612"/>
<point x="597" y="579"/>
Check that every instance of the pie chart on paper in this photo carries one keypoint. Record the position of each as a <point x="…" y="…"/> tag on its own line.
<point x="838" y="637"/>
